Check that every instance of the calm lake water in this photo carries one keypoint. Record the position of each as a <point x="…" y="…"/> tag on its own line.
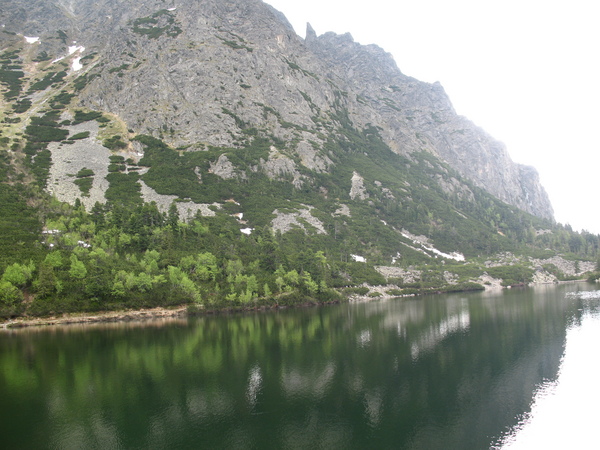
<point x="513" y="369"/>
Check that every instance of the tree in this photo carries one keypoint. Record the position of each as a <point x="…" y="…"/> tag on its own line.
<point x="46" y="282"/>
<point x="18" y="274"/>
<point x="173" y="217"/>
<point x="10" y="295"/>
<point x="183" y="284"/>
<point x="54" y="259"/>
<point x="309" y="284"/>
<point x="267" y="290"/>
<point x="77" y="270"/>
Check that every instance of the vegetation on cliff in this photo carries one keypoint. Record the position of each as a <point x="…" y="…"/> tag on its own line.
<point x="285" y="212"/>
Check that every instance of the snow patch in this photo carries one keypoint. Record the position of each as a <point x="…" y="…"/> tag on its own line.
<point x="425" y="245"/>
<point x="31" y="40"/>
<point x="76" y="63"/>
<point x="74" y="48"/>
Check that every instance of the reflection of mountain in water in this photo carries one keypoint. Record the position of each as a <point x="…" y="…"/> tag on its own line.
<point x="451" y="372"/>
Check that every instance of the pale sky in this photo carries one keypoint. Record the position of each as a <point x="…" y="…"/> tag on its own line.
<point x="527" y="71"/>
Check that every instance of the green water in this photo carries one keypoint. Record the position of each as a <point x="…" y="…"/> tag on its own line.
<point x="449" y="371"/>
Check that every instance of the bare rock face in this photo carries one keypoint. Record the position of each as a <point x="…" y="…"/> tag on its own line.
<point x="208" y="72"/>
<point x="358" y="190"/>
<point x="419" y="116"/>
<point x="223" y="168"/>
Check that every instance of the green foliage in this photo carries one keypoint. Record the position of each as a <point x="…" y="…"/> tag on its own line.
<point x="85" y="172"/>
<point x="11" y="79"/>
<point x="45" y="133"/>
<point x="42" y="56"/>
<point x="119" y="69"/>
<point x="62" y="36"/>
<point x="11" y="300"/>
<point x="49" y="79"/>
<point x="114" y="143"/>
<point x="239" y="44"/>
<point x="77" y="269"/>
<point x="158" y="24"/>
<point x="512" y="275"/>
<point x="362" y="291"/>
<point x="123" y="188"/>
<point x="21" y="106"/>
<point x="83" y="80"/>
<point x="82" y="135"/>
<point x="85" y="185"/>
<point x="18" y="274"/>
<point x="295" y="66"/>
<point x="61" y="100"/>
<point x="81" y="116"/>
<point x="20" y="226"/>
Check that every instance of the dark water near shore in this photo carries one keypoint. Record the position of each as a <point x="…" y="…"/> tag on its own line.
<point x="450" y="371"/>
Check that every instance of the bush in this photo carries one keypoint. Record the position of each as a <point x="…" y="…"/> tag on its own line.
<point x="114" y="143"/>
<point x="511" y="275"/>
<point x="81" y="116"/>
<point x="82" y="135"/>
<point x="42" y="133"/>
<point x="362" y="290"/>
<point x="85" y="185"/>
<point x="85" y="172"/>
<point x="394" y="292"/>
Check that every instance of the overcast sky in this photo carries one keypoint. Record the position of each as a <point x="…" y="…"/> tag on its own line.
<point x="527" y="71"/>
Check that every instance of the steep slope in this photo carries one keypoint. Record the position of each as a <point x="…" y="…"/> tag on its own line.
<point x="201" y="73"/>
<point x="158" y="153"/>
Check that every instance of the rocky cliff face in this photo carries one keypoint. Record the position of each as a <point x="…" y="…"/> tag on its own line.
<point x="212" y="72"/>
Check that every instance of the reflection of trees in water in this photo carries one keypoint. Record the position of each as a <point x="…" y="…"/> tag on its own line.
<point x="419" y="371"/>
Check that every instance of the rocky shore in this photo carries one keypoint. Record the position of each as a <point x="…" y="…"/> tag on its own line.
<point x="99" y="317"/>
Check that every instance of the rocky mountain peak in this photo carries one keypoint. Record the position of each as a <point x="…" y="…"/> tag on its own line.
<point x="213" y="72"/>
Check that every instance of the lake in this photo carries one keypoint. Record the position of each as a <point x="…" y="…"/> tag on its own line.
<point x="511" y="369"/>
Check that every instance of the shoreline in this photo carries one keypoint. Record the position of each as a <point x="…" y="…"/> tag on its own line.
<point x="183" y="312"/>
<point x="98" y="317"/>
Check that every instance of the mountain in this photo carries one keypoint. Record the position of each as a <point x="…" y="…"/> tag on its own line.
<point x="160" y="65"/>
<point x="237" y="128"/>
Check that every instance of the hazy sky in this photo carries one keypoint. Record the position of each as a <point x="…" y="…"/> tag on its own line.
<point x="527" y="71"/>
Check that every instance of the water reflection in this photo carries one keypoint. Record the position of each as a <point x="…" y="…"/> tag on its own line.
<point x="442" y="372"/>
<point x="564" y="411"/>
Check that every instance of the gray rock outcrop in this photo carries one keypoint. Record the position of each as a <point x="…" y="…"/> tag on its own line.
<point x="207" y="72"/>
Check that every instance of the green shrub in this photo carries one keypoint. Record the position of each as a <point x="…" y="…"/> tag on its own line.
<point x="85" y="172"/>
<point x="512" y="275"/>
<point x="114" y="143"/>
<point x="43" y="133"/>
<point x="394" y="292"/>
<point x="82" y="135"/>
<point x="85" y="185"/>
<point x="81" y="116"/>
<point x="361" y="290"/>
<point x="12" y="79"/>
<point x="21" y="106"/>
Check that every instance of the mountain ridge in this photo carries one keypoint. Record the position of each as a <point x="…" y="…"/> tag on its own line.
<point x="209" y="66"/>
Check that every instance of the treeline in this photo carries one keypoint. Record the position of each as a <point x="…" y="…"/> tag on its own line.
<point x="117" y="257"/>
